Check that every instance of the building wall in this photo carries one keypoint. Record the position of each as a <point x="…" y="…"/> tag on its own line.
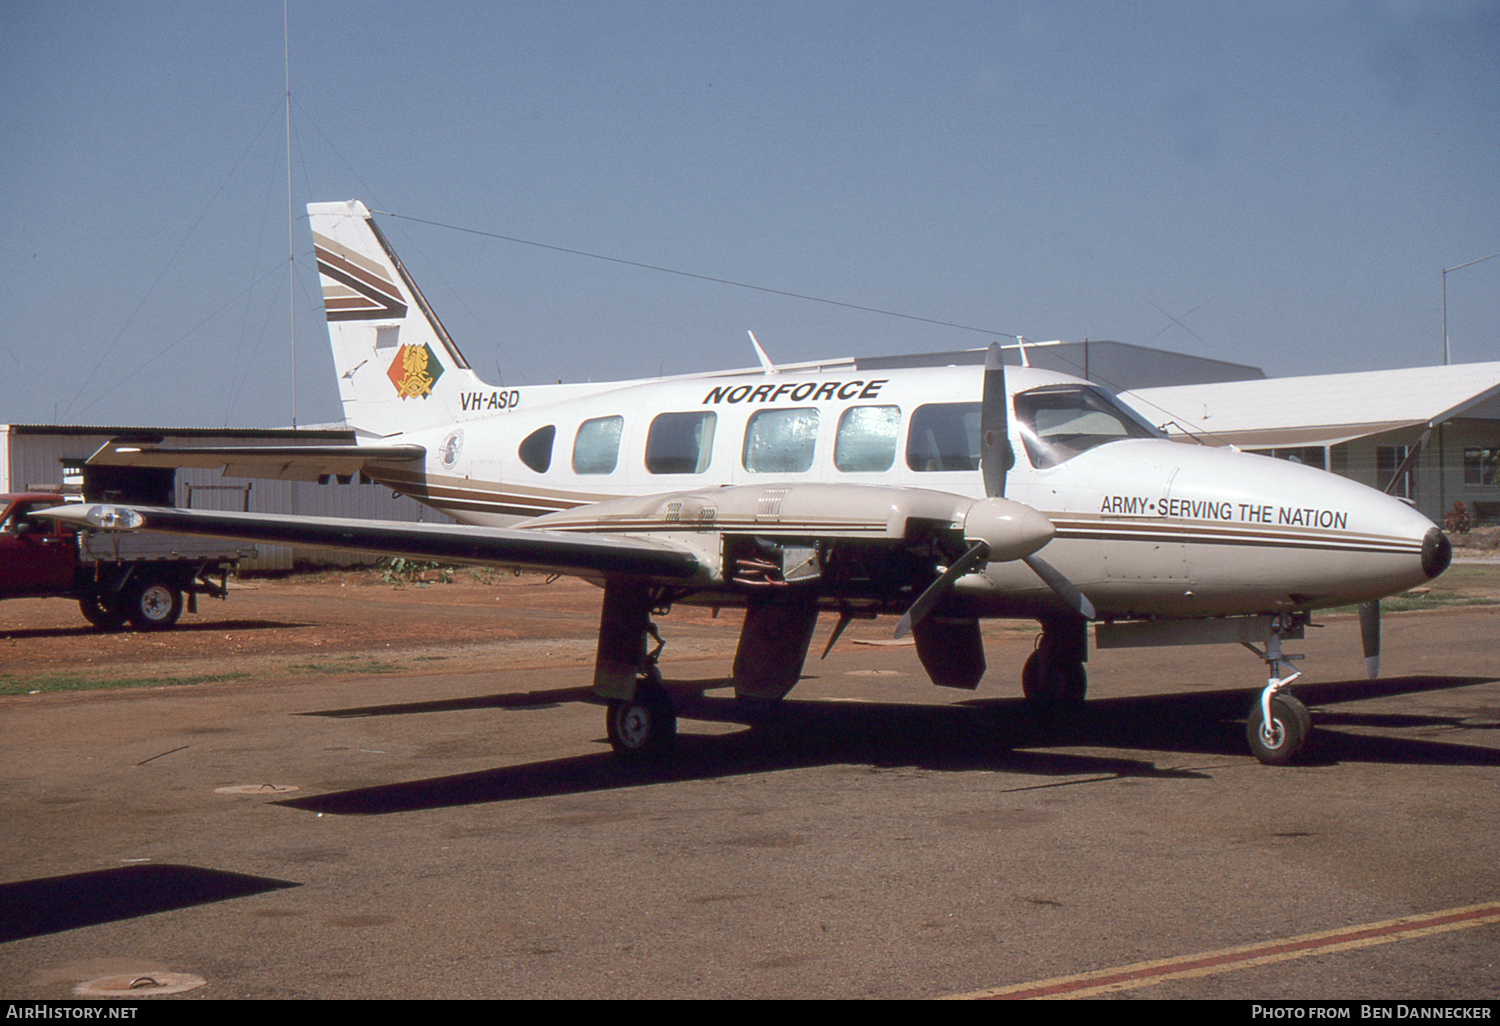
<point x="1437" y="479"/>
<point x="41" y="458"/>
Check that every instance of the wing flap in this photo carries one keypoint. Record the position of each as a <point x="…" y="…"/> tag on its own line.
<point x="593" y="555"/>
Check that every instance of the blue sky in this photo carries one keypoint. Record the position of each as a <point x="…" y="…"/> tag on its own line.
<point x="1272" y="183"/>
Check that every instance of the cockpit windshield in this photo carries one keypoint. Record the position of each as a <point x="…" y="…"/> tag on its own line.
<point x="1060" y="421"/>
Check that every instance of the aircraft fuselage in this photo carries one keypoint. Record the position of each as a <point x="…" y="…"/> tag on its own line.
<point x="1144" y="526"/>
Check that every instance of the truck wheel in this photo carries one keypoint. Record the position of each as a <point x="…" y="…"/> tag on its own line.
<point x="153" y="605"/>
<point x="102" y="613"/>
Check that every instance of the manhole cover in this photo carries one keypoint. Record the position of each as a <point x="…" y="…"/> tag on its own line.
<point x="138" y="985"/>
<point x="256" y="789"/>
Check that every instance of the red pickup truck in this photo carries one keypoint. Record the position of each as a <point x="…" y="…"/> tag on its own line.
<point x="139" y="577"/>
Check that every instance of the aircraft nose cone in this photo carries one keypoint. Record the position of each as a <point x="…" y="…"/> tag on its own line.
<point x="1010" y="529"/>
<point x="1437" y="552"/>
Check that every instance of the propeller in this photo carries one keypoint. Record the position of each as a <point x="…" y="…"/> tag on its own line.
<point x="1369" y="634"/>
<point x="995" y="527"/>
<point x="995" y="454"/>
<point x="964" y="564"/>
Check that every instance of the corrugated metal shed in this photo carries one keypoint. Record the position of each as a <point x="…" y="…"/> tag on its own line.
<point x="47" y="456"/>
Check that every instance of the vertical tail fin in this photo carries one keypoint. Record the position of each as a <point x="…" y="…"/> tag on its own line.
<point x="398" y="369"/>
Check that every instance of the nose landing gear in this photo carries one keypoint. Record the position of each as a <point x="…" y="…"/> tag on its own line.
<point x="1279" y="726"/>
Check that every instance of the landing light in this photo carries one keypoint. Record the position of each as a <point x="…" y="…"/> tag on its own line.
<point x="114" y="518"/>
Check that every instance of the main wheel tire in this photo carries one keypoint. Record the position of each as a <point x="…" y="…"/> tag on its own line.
<point x="1287" y="737"/>
<point x="103" y="613"/>
<point x="644" y="726"/>
<point x="153" y="605"/>
<point x="1050" y="682"/>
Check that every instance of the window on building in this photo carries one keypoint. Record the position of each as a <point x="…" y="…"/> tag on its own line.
<point x="680" y="443"/>
<point x="1307" y="455"/>
<point x="1388" y="460"/>
<point x="1481" y="467"/>
<point x="780" y="441"/>
<point x="866" y="442"/>
<point x="596" y="447"/>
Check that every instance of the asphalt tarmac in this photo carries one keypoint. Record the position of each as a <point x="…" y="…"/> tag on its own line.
<point x="470" y="835"/>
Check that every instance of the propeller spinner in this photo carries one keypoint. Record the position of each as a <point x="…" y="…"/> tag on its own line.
<point x="996" y="528"/>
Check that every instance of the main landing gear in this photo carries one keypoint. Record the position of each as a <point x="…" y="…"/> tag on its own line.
<point x="1054" y="674"/>
<point x="644" y="726"/>
<point x="640" y="718"/>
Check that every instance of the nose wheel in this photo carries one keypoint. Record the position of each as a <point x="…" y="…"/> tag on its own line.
<point x="1280" y="739"/>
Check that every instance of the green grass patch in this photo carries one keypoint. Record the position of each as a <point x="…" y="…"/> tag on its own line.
<point x="48" y="683"/>
<point x="1408" y="601"/>
<point x="348" y="664"/>
<point x="1464" y="584"/>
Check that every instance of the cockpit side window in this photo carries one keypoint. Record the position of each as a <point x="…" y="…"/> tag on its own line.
<point x="1060" y="421"/>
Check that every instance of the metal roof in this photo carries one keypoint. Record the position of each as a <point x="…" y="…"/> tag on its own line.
<point x="1323" y="409"/>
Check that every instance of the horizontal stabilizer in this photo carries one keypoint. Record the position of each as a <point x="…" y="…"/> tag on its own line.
<point x="283" y="462"/>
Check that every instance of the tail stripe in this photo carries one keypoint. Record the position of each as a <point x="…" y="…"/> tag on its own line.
<point x="369" y="294"/>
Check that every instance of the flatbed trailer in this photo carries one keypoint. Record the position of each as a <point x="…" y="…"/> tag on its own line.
<point x="142" y="578"/>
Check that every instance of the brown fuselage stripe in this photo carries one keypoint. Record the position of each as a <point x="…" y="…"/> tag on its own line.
<point x="537" y="503"/>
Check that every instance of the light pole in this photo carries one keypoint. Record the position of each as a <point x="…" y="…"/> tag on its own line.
<point x="1445" y="298"/>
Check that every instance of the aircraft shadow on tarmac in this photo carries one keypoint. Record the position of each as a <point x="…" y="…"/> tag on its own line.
<point x="994" y="735"/>
<point x="31" y="908"/>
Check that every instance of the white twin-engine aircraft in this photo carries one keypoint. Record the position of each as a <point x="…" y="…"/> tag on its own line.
<point x="940" y="495"/>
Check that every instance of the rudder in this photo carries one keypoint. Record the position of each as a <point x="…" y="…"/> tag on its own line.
<point x="398" y="369"/>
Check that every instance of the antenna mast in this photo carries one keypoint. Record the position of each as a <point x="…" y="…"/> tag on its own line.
<point x="291" y="242"/>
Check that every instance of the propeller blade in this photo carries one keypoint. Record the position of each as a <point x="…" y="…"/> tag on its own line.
<point x="940" y="587"/>
<point x="995" y="455"/>
<point x="1369" y="633"/>
<point x="1061" y="585"/>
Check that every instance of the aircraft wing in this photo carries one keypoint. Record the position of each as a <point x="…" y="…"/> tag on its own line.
<point x="584" y="555"/>
<point x="283" y="462"/>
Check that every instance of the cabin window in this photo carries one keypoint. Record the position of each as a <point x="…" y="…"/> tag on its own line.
<point x="536" y="448"/>
<point x="943" y="436"/>
<point x="866" y="442"/>
<point x="780" y="441"/>
<point x="1060" y="421"/>
<point x="596" y="447"/>
<point x="680" y="443"/>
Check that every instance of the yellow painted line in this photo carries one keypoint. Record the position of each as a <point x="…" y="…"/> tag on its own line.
<point x="1186" y="967"/>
